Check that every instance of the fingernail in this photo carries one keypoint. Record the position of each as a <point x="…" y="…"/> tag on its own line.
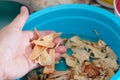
<point x="23" y="10"/>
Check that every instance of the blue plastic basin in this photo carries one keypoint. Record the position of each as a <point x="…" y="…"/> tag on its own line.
<point x="81" y="20"/>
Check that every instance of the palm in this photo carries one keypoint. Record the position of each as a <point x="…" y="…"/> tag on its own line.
<point x="18" y="51"/>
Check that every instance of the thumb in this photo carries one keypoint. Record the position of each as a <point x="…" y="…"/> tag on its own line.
<point x="20" y="20"/>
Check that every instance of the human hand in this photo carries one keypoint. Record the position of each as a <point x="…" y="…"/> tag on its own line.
<point x="15" y="48"/>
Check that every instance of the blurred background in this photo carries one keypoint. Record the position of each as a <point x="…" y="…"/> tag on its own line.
<point x="10" y="8"/>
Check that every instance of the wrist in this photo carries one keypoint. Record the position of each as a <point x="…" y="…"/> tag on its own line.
<point x="3" y="75"/>
<point x="1" y="72"/>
